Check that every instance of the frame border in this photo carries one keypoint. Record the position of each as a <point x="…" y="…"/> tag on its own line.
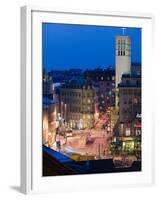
<point x="26" y="81"/>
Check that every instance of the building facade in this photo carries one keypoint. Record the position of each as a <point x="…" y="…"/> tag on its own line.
<point x="48" y="88"/>
<point x="78" y="100"/>
<point x="130" y="104"/>
<point x="106" y="80"/>
<point x="50" y="110"/>
<point x="49" y="122"/>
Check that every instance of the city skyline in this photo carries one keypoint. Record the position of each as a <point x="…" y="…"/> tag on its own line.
<point x="68" y="46"/>
<point x="91" y="115"/>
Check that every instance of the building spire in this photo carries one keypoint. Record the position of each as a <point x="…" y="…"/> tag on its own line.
<point x="123" y="31"/>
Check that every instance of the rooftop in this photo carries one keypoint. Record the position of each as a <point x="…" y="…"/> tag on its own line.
<point x="80" y="82"/>
<point x="138" y="76"/>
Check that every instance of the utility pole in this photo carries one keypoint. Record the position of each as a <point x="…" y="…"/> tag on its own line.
<point x="99" y="150"/>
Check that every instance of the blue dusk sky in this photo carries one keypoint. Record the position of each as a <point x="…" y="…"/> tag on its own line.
<point x="82" y="46"/>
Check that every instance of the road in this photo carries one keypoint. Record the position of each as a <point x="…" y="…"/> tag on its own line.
<point x="98" y="140"/>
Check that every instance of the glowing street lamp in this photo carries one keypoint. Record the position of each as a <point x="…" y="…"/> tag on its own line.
<point x="65" y="110"/>
<point x="61" y="108"/>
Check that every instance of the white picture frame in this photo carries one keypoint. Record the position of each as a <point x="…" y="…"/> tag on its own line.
<point x="31" y="123"/>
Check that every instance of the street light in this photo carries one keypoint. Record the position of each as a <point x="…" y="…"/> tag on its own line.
<point x="65" y="110"/>
<point x="61" y="108"/>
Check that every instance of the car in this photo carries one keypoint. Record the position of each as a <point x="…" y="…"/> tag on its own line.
<point x="69" y="134"/>
<point x="68" y="130"/>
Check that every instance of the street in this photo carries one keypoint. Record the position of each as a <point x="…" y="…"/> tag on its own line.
<point x="93" y="141"/>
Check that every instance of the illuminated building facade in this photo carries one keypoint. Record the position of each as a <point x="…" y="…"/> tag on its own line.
<point x="78" y="100"/>
<point x="130" y="105"/>
<point x="60" y="76"/>
<point x="128" y="141"/>
<point x="50" y="110"/>
<point x="106" y="80"/>
<point x="49" y="121"/>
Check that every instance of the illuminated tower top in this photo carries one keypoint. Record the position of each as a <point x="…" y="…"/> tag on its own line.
<point x="123" y="46"/>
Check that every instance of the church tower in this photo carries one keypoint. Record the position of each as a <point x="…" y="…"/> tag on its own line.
<point x="123" y="60"/>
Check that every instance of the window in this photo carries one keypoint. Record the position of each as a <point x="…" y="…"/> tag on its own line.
<point x="123" y="111"/>
<point x="127" y="82"/>
<point x="135" y="100"/>
<point x="125" y="102"/>
<point x="113" y="84"/>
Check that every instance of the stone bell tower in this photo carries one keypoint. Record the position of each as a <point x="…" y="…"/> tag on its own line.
<point x="123" y="60"/>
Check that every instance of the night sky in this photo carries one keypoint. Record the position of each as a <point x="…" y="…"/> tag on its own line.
<point x="78" y="46"/>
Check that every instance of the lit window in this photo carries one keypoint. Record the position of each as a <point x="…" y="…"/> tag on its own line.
<point x="135" y="100"/>
<point x="52" y="86"/>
